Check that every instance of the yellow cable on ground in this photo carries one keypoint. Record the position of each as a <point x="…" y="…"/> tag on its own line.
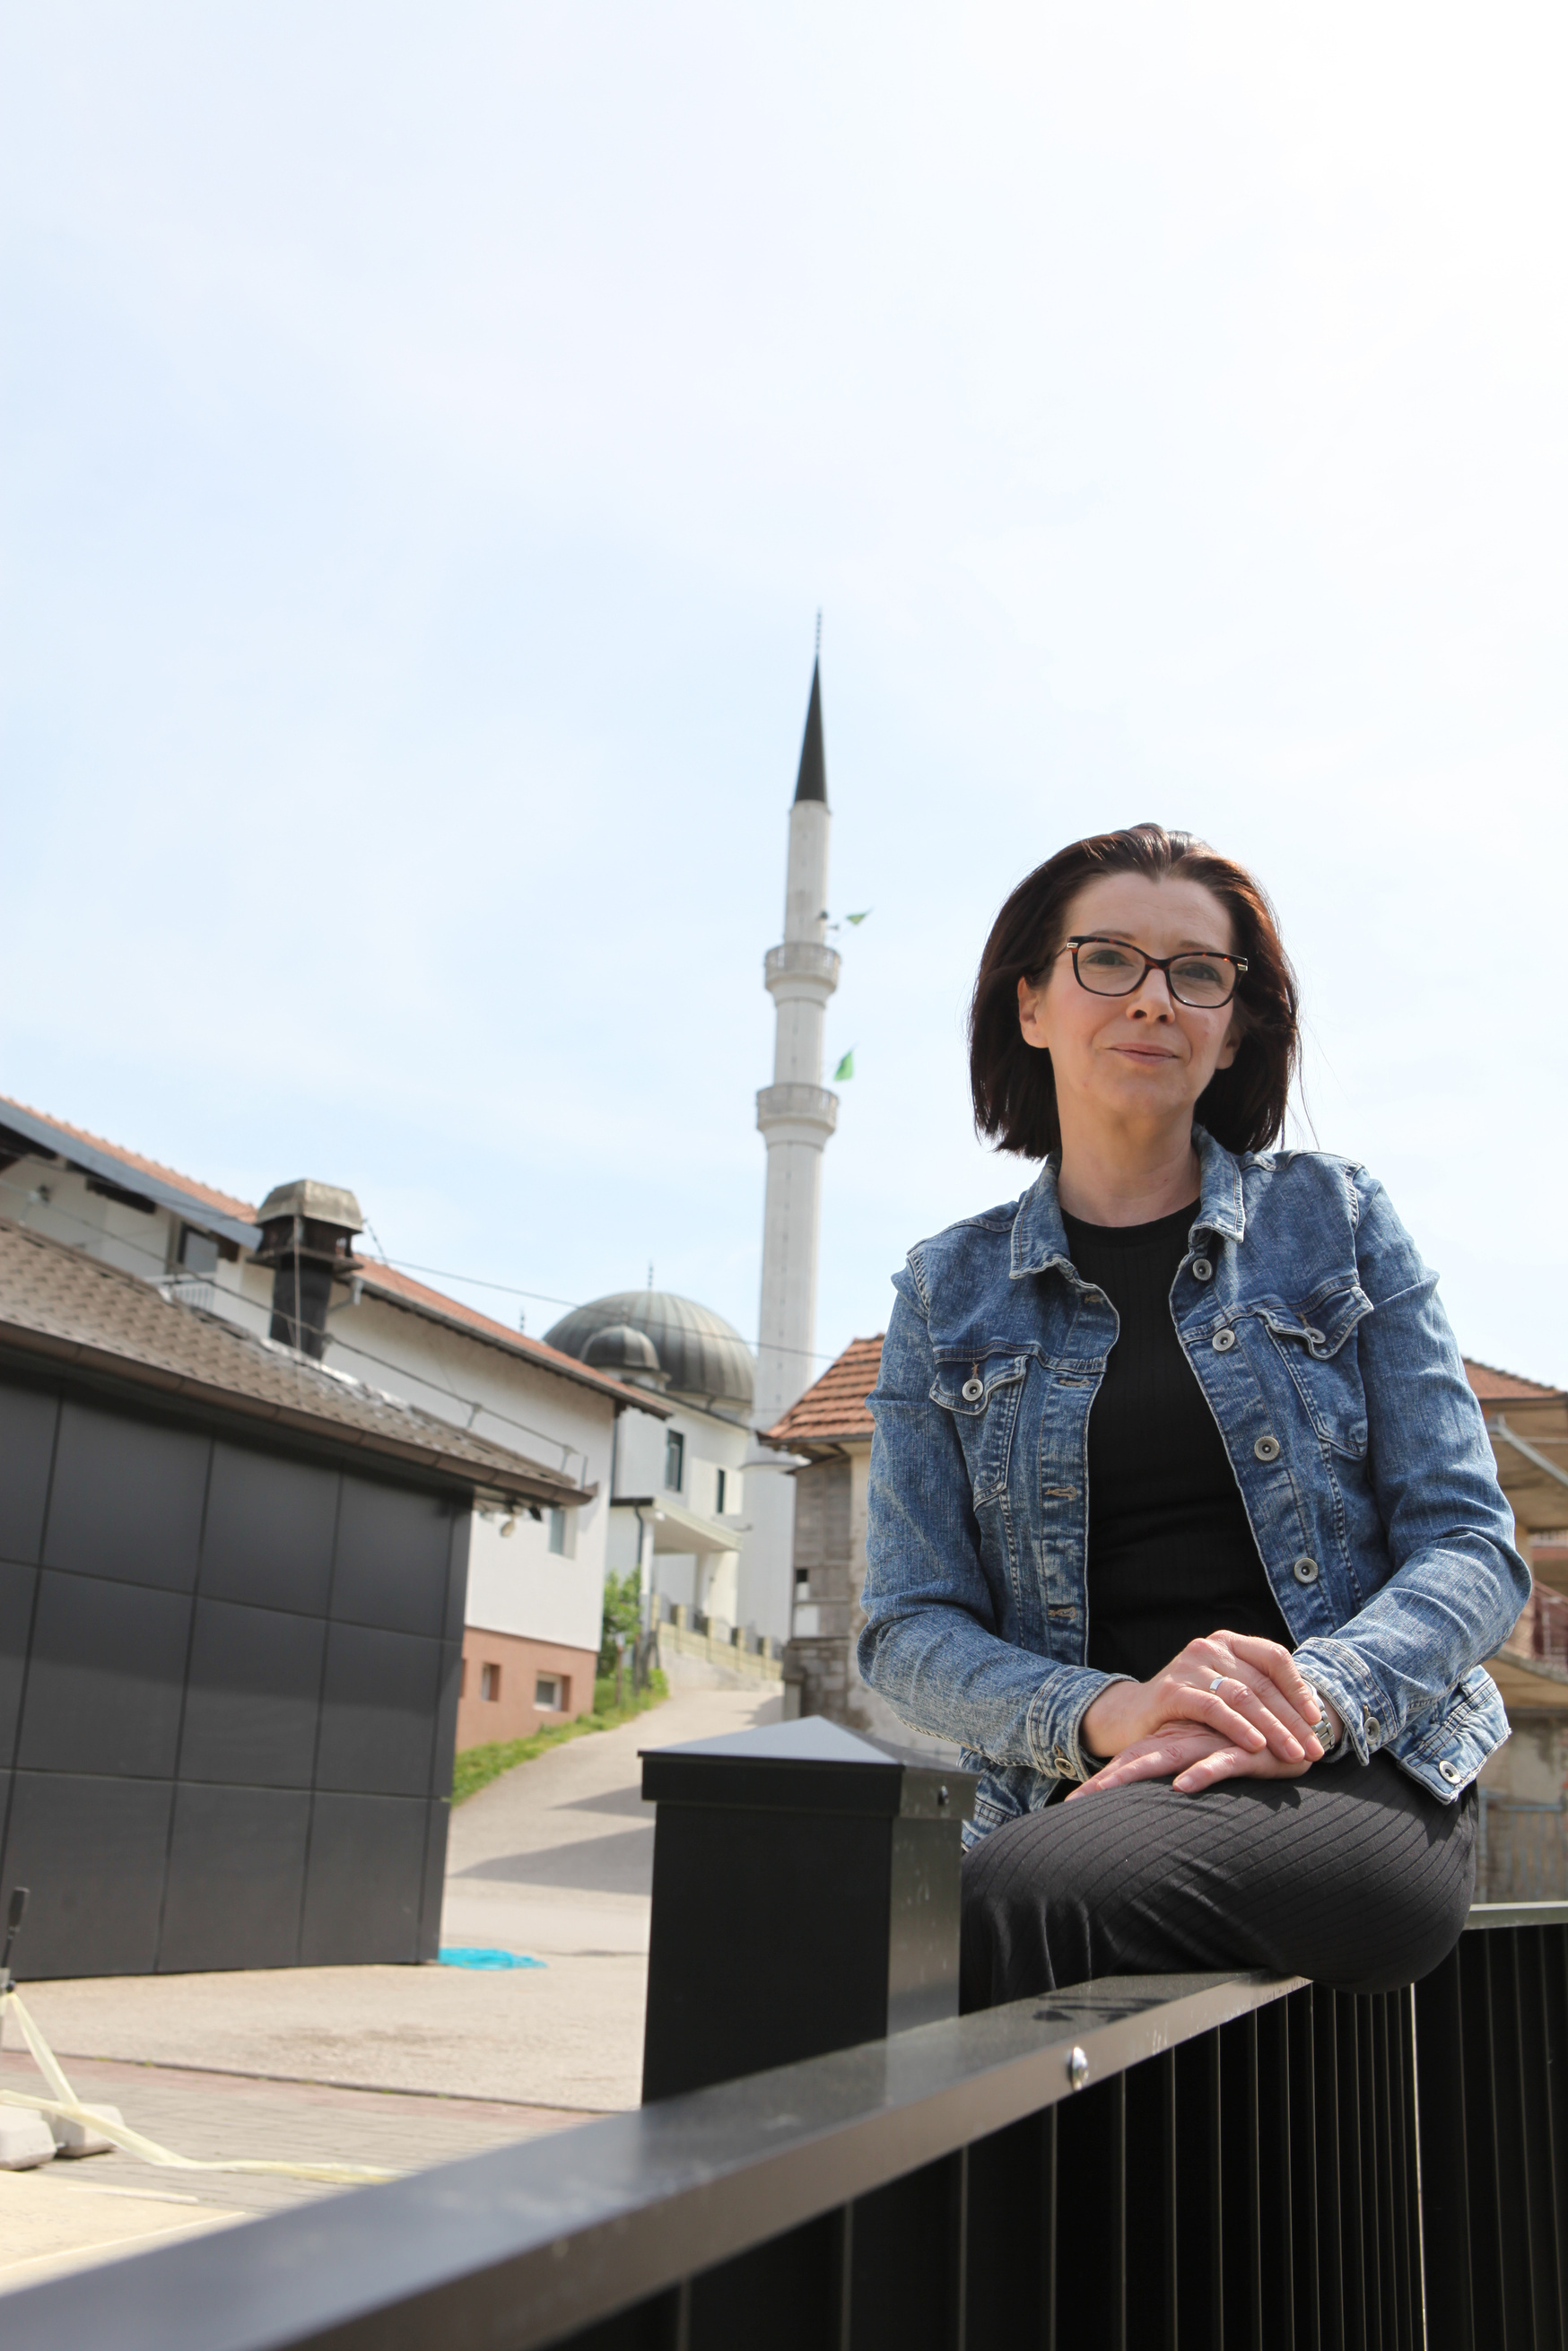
<point x="67" y="2106"/>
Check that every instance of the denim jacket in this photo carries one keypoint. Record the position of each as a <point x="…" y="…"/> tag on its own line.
<point x="1315" y="1334"/>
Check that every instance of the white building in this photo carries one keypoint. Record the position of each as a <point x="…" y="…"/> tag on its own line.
<point x="289" y="1272"/>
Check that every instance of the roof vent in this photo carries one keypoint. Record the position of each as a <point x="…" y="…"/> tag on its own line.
<point x="308" y="1232"/>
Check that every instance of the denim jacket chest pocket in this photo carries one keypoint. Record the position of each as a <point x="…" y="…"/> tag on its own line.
<point x="981" y="1393"/>
<point x="1316" y="1343"/>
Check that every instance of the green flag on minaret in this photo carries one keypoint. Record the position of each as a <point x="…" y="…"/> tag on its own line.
<point x="846" y="1068"/>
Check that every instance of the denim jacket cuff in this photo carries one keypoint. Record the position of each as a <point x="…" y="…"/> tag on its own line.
<point x="1056" y="1720"/>
<point x="1338" y="1674"/>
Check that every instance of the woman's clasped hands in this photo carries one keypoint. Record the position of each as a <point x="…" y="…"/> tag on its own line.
<point x="1231" y="1707"/>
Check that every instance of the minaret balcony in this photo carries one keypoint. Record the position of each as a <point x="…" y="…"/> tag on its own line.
<point x="796" y="1114"/>
<point x="800" y="972"/>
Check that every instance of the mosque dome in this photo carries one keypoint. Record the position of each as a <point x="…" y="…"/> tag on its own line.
<point x="698" y="1351"/>
<point x="619" y="1348"/>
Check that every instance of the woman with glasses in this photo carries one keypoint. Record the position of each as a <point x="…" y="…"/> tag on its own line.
<point x="1183" y="1519"/>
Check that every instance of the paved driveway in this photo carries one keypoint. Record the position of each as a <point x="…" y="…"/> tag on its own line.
<point x="554" y="1861"/>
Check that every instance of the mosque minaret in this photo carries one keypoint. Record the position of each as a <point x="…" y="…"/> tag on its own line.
<point x="796" y="1114"/>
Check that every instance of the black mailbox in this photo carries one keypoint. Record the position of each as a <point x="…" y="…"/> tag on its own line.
<point x="805" y="1898"/>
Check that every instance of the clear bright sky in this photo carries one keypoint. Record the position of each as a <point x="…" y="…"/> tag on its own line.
<point x="429" y="434"/>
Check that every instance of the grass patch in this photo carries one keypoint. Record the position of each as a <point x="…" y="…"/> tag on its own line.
<point x="474" y="1767"/>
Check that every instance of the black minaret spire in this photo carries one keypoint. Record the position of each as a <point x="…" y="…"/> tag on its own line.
<point x="811" y="783"/>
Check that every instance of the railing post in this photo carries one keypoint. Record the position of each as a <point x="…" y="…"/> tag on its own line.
<point x="805" y="1898"/>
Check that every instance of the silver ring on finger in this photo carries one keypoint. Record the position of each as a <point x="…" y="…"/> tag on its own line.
<point x="1214" y="1685"/>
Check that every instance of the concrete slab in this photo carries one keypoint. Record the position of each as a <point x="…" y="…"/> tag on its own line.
<point x="551" y="1860"/>
<point x="104" y="2206"/>
<point x="394" y="2066"/>
<point x="49" y="2226"/>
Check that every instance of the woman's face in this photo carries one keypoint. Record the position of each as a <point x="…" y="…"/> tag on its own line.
<point x="1141" y="1059"/>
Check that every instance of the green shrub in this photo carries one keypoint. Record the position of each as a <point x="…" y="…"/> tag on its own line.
<point x="622" y="1607"/>
<point x="474" y="1767"/>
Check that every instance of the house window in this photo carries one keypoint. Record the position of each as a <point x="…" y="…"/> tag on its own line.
<point x="490" y="1681"/>
<point x="559" y="1534"/>
<point x="675" y="1461"/>
<point x="719" y="1483"/>
<point x="548" y="1696"/>
<point x="198" y="1251"/>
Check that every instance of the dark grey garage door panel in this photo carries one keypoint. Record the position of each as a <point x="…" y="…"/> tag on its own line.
<point x="107" y="1679"/>
<point x="457" y="1573"/>
<point x="237" y="1879"/>
<point x="18" y="1585"/>
<point x="92" y="1853"/>
<point x="436" y="1826"/>
<point x="27" y="1417"/>
<point x="446" y="1719"/>
<point x="378" y="1713"/>
<point x="362" y="1885"/>
<point x="270" y="1526"/>
<point x="126" y="1499"/>
<point x="254" y="1696"/>
<point x="393" y="1550"/>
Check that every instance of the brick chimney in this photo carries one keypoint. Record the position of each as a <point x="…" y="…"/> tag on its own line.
<point x="308" y="1232"/>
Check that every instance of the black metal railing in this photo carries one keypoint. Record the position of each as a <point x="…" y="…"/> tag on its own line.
<point x="1213" y="2161"/>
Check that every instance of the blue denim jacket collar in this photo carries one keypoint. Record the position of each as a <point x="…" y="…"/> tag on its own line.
<point x="1039" y="1237"/>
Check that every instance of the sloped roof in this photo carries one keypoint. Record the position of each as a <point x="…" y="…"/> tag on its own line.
<point x="402" y="1290"/>
<point x="201" y="1204"/>
<point x="1494" y="1386"/>
<point x="188" y="1197"/>
<point x="68" y="1308"/>
<point x="833" y="1411"/>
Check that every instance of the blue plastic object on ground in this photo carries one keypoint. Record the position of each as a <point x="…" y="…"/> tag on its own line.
<point x="460" y="1957"/>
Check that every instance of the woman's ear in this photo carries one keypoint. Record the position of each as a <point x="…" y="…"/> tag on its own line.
<point x="1029" y="1025"/>
<point x="1232" y="1044"/>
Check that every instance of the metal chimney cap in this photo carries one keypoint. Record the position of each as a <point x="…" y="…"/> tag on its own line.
<point x="323" y="1204"/>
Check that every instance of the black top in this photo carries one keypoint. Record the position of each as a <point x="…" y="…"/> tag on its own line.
<point x="1171" y="1554"/>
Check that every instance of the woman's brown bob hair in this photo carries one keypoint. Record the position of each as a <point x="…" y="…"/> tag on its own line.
<point x="1012" y="1082"/>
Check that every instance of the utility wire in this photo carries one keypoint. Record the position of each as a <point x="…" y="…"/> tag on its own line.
<point x="479" y="1281"/>
<point x="404" y="1372"/>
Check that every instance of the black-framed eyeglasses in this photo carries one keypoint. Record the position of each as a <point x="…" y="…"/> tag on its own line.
<point x="1114" y="967"/>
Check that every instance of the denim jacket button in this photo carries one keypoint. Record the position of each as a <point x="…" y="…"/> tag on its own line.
<point x="1451" y="1772"/>
<point x="1267" y="1448"/>
<point x="1223" y="1342"/>
<point x="1201" y="1269"/>
<point x="1305" y="1569"/>
<point x="1370" y="1727"/>
<point x="972" y="1391"/>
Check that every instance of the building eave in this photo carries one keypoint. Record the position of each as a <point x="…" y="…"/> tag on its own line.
<point x="516" y="1481"/>
<point x="52" y="1140"/>
<point x="429" y="1306"/>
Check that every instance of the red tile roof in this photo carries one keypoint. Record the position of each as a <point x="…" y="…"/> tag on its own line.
<point x="60" y="1304"/>
<point x="405" y="1291"/>
<point x="833" y="1409"/>
<point x="223" y="1201"/>
<point x="1494" y="1386"/>
<point x="432" y="1303"/>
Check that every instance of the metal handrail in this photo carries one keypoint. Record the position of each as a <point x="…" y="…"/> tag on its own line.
<point x="529" y="2245"/>
<point x="525" y="2244"/>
